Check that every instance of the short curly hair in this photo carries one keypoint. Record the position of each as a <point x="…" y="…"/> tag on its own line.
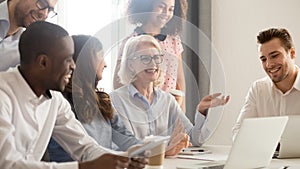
<point x="137" y="11"/>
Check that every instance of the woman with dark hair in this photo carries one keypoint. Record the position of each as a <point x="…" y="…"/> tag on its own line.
<point x="92" y="107"/>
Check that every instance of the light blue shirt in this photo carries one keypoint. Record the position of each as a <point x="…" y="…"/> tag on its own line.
<point x="159" y="118"/>
<point x="110" y="133"/>
<point x="9" y="50"/>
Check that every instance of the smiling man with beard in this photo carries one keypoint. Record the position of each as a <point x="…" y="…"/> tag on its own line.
<point x="276" y="94"/>
<point x="15" y="15"/>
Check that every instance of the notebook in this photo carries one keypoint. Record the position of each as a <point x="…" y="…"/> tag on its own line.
<point x="289" y="141"/>
<point x="253" y="147"/>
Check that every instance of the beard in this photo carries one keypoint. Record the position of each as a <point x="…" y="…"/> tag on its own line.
<point x="285" y="72"/>
<point x="280" y="78"/>
<point x="20" y="16"/>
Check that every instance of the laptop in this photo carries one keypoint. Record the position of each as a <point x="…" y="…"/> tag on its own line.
<point x="253" y="147"/>
<point x="289" y="141"/>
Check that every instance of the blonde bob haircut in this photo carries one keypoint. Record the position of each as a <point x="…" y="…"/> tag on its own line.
<point x="131" y="47"/>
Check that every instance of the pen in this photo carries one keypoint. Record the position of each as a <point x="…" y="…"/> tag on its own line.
<point x="198" y="150"/>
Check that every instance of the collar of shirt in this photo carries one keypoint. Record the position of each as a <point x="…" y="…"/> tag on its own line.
<point x="4" y="20"/>
<point x="27" y="91"/>
<point x="134" y="92"/>
<point x="296" y="84"/>
<point x="297" y="80"/>
<point x="160" y="37"/>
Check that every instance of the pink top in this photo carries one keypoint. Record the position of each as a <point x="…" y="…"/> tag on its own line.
<point x="172" y="48"/>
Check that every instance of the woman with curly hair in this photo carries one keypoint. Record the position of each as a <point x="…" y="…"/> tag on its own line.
<point x="162" y="19"/>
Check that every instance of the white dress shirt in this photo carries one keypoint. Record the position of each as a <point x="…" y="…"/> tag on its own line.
<point x="9" y="50"/>
<point x="27" y="123"/>
<point x="264" y="99"/>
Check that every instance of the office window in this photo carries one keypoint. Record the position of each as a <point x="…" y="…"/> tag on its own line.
<point x="89" y="17"/>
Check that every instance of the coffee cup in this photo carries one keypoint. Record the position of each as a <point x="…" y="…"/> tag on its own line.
<point x="157" y="154"/>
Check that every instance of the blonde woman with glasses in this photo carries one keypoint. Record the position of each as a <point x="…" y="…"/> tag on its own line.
<point x="148" y="110"/>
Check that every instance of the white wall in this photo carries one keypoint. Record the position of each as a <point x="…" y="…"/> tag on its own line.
<point x="235" y="24"/>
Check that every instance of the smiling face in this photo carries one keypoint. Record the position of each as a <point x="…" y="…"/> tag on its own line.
<point x="163" y="11"/>
<point x="146" y="70"/>
<point x="26" y="12"/>
<point x="276" y="61"/>
<point x="61" y="64"/>
<point x="101" y="64"/>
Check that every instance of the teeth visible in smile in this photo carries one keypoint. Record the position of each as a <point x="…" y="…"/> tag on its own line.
<point x="273" y="70"/>
<point x="34" y="16"/>
<point x="68" y="76"/>
<point x="150" y="70"/>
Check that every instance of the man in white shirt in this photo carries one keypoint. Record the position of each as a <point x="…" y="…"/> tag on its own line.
<point x="32" y="107"/>
<point x="277" y="94"/>
<point x="15" y="15"/>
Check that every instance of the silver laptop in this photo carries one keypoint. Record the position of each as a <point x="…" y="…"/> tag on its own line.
<point x="253" y="147"/>
<point x="289" y="141"/>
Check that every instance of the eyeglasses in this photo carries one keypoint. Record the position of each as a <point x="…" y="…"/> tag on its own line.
<point x="146" y="59"/>
<point x="43" y="4"/>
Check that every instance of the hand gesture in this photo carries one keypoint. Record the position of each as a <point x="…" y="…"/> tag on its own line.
<point x="210" y="101"/>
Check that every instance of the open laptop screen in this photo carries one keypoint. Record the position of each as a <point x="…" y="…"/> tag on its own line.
<point x="289" y="141"/>
<point x="256" y="142"/>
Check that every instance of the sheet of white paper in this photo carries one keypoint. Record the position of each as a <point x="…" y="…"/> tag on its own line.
<point x="205" y="157"/>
